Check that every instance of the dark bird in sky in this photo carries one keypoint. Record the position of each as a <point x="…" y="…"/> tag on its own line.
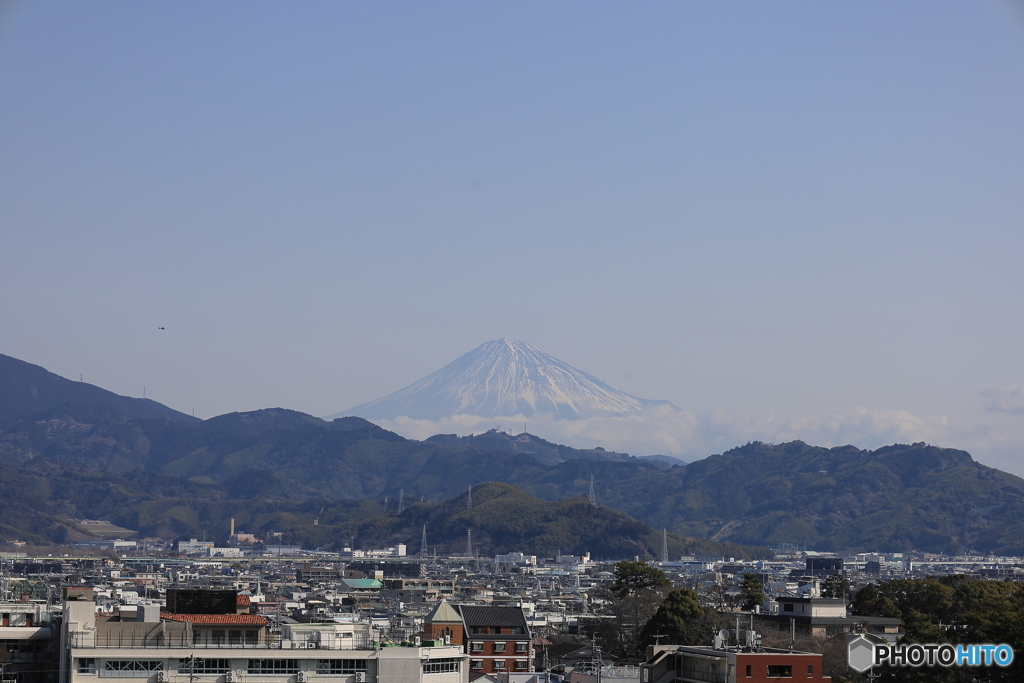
<point x="161" y="328"/>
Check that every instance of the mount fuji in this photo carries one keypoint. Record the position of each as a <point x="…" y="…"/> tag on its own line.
<point x="504" y="378"/>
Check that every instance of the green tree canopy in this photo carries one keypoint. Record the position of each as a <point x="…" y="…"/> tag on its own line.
<point x="633" y="577"/>
<point x="682" y="620"/>
<point x="753" y="592"/>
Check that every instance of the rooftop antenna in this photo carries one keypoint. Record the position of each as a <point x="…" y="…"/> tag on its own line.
<point x="664" y="546"/>
<point x="401" y="500"/>
<point x="469" y="498"/>
<point x="591" y="496"/>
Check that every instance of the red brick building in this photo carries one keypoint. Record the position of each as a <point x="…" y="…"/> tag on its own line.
<point x="703" y="664"/>
<point x="497" y="639"/>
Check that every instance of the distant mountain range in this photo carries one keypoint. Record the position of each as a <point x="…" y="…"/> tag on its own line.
<point x="169" y="476"/>
<point x="507" y="379"/>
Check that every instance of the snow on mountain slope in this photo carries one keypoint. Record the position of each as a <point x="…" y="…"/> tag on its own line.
<point x="504" y="378"/>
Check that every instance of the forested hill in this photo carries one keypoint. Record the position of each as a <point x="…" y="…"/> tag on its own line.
<point x="900" y="497"/>
<point x="27" y="389"/>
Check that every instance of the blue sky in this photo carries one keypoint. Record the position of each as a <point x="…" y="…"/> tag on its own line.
<point x="793" y="219"/>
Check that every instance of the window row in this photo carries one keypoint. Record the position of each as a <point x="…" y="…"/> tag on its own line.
<point x="197" y="666"/>
<point x="499" y="664"/>
<point x="220" y="636"/>
<point x="340" y="666"/>
<point x="498" y="647"/>
<point x="441" y="666"/>
<point x="132" y="668"/>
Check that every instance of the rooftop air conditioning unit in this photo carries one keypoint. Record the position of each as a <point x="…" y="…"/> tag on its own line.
<point x="360" y="677"/>
<point x="275" y="646"/>
<point x="161" y="677"/>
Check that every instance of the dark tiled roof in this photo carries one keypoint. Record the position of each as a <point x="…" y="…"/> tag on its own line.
<point x="502" y="617"/>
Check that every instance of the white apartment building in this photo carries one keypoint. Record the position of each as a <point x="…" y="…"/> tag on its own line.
<point x="225" y="648"/>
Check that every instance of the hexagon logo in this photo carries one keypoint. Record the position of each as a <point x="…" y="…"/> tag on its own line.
<point x="861" y="654"/>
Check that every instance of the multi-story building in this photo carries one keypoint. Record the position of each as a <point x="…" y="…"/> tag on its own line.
<point x="163" y="647"/>
<point x="704" y="664"/>
<point x="26" y="641"/>
<point x="497" y="639"/>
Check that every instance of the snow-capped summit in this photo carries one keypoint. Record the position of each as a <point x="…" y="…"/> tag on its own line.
<point x="504" y="378"/>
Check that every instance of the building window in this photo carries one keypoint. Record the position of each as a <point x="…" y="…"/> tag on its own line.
<point x="201" y="667"/>
<point x="521" y="664"/>
<point x="87" y="666"/>
<point x="749" y="672"/>
<point x="441" y="666"/>
<point x="217" y="636"/>
<point x="499" y="664"/>
<point x="521" y="647"/>
<point x="476" y="664"/>
<point x="787" y="607"/>
<point x="476" y="647"/>
<point x="499" y="647"/>
<point x="131" y="668"/>
<point x="340" y="667"/>
<point x="250" y="637"/>
<point x="273" y="667"/>
<point x="810" y="671"/>
<point x="780" y="671"/>
<point x="234" y="637"/>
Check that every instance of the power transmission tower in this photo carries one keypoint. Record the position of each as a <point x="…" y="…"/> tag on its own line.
<point x="469" y="543"/>
<point x="591" y="496"/>
<point x="469" y="498"/>
<point x="423" y="543"/>
<point x="401" y="500"/>
<point x="664" y="545"/>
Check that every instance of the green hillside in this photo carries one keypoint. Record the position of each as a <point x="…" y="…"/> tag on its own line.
<point x="901" y="497"/>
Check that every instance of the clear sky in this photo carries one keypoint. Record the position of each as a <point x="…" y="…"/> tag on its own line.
<point x="793" y="219"/>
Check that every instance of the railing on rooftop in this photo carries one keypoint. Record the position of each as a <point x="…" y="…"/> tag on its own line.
<point x="261" y="641"/>
<point x="698" y="675"/>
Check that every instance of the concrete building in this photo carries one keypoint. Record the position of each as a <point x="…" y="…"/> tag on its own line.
<point x="26" y="641"/>
<point x="239" y="648"/>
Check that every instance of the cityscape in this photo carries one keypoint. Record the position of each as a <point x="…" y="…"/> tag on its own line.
<point x="511" y="342"/>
